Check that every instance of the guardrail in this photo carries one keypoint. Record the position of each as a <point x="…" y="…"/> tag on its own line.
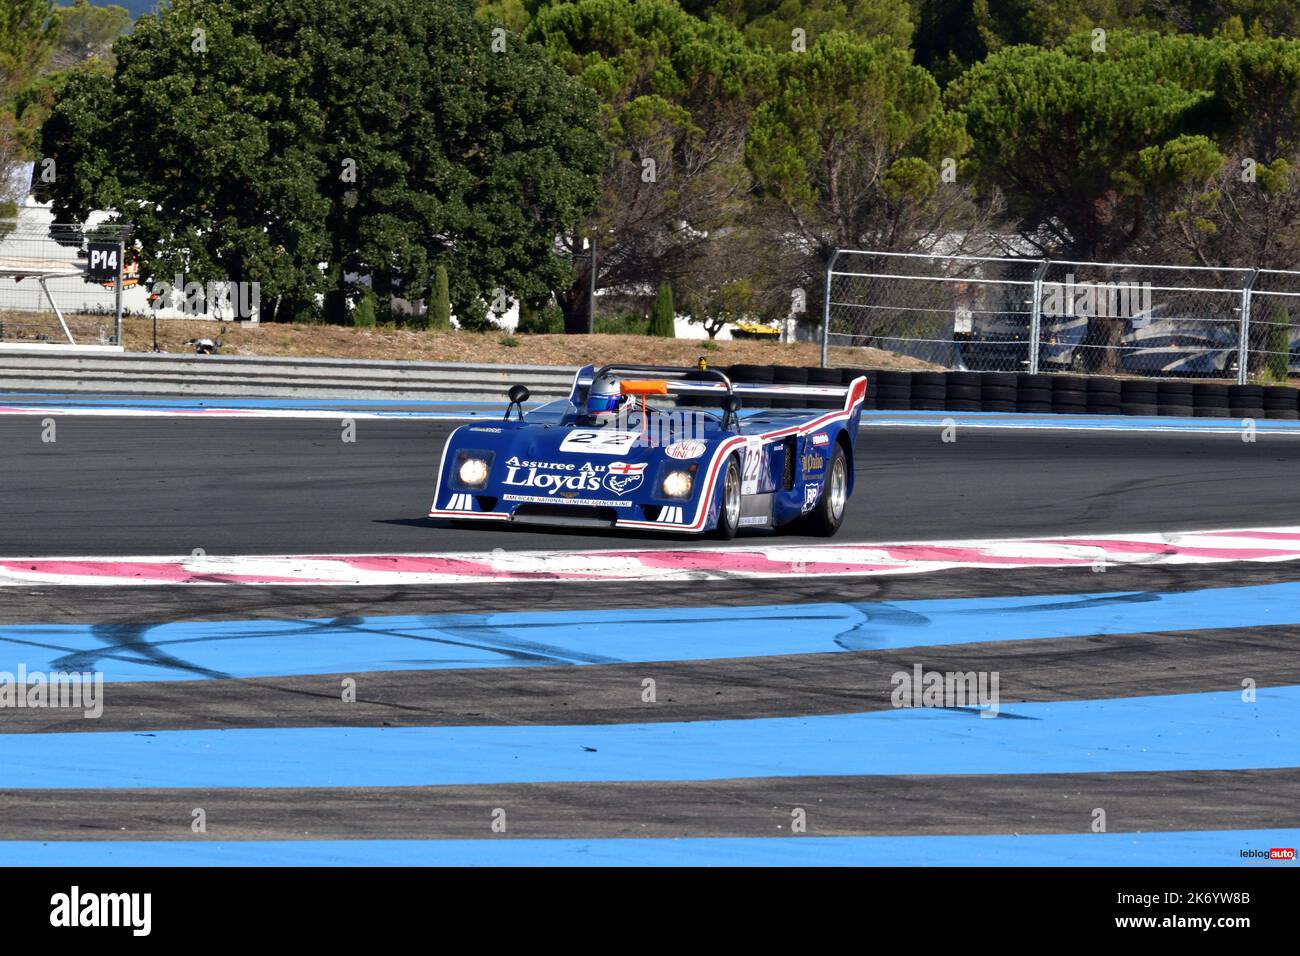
<point x="226" y="375"/>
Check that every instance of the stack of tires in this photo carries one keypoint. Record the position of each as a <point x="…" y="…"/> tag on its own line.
<point x="1069" y="395"/>
<point x="1210" y="400"/>
<point x="929" y="391"/>
<point x="998" y="391"/>
<point x="893" y="389"/>
<point x="1281" y="402"/>
<point x="1174" y="399"/>
<point x="964" y="392"/>
<point x="1104" y="396"/>
<point x="1137" y="397"/>
<point x="1034" y="393"/>
<point x="1246" y="401"/>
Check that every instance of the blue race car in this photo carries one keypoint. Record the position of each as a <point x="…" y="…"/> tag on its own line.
<point x="663" y="449"/>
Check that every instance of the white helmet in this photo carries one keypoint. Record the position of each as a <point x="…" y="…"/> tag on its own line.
<point x="605" y="396"/>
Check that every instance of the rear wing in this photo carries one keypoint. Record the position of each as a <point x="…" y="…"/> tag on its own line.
<point x="709" y="384"/>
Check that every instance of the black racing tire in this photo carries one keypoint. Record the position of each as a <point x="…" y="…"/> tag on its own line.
<point x="1211" y="411"/>
<point x="1236" y="412"/>
<point x="1034" y="395"/>
<point x="824" y="376"/>
<point x="1067" y="397"/>
<point x="998" y="393"/>
<point x="1283" y="414"/>
<point x="751" y="374"/>
<point x="789" y="375"/>
<point x="728" y="517"/>
<point x="1103" y="410"/>
<point x="963" y="380"/>
<point x="996" y="406"/>
<point x="1177" y="411"/>
<point x="1103" y="388"/>
<point x="1134" y="392"/>
<point x="964" y="405"/>
<point x="963" y="393"/>
<point x="1139" y="408"/>
<point x="1034" y="408"/>
<point x="828" y="514"/>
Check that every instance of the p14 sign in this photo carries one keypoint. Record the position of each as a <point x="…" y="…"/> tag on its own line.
<point x="105" y="262"/>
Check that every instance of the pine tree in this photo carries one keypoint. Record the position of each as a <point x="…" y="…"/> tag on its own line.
<point x="662" y="315"/>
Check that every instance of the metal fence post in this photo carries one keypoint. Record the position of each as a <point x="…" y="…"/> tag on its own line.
<point x="1243" y="333"/>
<point x="826" y="311"/>
<point x="1036" y="315"/>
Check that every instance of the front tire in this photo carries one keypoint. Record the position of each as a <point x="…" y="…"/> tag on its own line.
<point x="825" y="519"/>
<point x="729" y="505"/>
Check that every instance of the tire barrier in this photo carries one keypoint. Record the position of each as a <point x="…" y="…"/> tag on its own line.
<point x="1042" y="394"/>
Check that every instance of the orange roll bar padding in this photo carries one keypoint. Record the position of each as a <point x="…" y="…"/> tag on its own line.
<point x="647" y="387"/>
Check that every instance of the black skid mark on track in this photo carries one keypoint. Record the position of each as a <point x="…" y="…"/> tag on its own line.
<point x="128" y="642"/>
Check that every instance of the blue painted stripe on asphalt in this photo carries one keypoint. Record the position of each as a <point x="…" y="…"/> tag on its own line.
<point x="1208" y="731"/>
<point x="1226" y="426"/>
<point x="207" y="649"/>
<point x="1175" y="848"/>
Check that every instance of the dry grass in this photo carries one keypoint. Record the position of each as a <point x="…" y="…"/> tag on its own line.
<point x="328" y="341"/>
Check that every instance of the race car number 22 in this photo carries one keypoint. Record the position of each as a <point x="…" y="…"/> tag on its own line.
<point x="599" y="442"/>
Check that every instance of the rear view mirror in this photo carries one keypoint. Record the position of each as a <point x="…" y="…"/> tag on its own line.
<point x="518" y="394"/>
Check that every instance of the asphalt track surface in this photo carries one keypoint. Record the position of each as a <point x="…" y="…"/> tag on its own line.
<point x="118" y="486"/>
<point x="121" y="486"/>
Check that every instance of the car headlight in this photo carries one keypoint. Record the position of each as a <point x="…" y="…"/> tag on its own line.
<point x="473" y="472"/>
<point x="677" y="484"/>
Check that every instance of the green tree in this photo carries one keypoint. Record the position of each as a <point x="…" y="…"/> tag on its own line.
<point x="677" y="95"/>
<point x="28" y="30"/>
<point x="87" y="32"/>
<point x="440" y="303"/>
<point x="1088" y="147"/>
<point x="851" y="154"/>
<point x="375" y="136"/>
<point x="662" y="315"/>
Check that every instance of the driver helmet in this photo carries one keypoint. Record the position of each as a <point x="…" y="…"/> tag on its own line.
<point x="605" y="397"/>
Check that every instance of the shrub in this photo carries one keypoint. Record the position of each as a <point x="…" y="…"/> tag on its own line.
<point x="662" y="315"/>
<point x="548" y="320"/>
<point x="363" y="316"/>
<point x="509" y="341"/>
<point x="439" y="313"/>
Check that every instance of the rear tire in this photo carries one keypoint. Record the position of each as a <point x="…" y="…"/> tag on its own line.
<point x="825" y="519"/>
<point x="729" y="503"/>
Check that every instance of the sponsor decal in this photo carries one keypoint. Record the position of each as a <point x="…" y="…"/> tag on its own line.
<point x="490" y="431"/>
<point x="686" y="450"/>
<point x="813" y="463"/>
<point x="598" y="441"/>
<point x="810" y="493"/>
<point x="552" y="477"/>
<point x="543" y="500"/>
<point x="752" y="520"/>
<point x="622" y="477"/>
<point x="821" y="438"/>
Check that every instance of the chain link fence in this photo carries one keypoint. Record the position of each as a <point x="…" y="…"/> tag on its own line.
<point x="45" y="294"/>
<point x="1007" y="314"/>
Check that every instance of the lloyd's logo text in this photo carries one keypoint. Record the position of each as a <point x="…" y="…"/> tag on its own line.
<point x="570" y="478"/>
<point x="217" y="300"/>
<point x="952" y="689"/>
<point x="74" y="908"/>
<point x="59" y="689"/>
